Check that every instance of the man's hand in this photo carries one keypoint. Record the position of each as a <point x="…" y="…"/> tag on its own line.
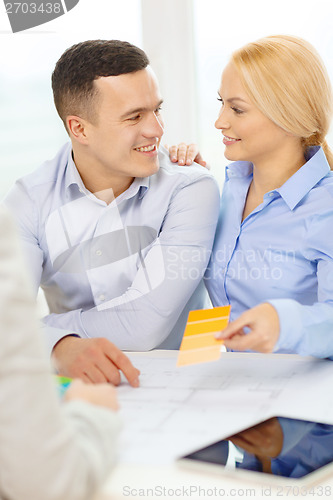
<point x="94" y="360"/>
<point x="263" y="324"/>
<point x="184" y="154"/>
<point x="99" y="394"/>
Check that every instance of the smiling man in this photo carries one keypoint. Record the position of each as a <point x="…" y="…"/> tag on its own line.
<point x="116" y="235"/>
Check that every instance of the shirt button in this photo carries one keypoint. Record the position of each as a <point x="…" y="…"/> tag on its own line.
<point x="102" y="297"/>
<point x="98" y="252"/>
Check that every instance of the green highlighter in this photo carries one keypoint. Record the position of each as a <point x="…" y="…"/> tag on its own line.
<point x="62" y="384"/>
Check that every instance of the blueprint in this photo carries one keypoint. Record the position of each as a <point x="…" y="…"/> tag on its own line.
<point x="177" y="410"/>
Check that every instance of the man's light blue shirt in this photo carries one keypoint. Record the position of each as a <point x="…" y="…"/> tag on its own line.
<point x="129" y="270"/>
<point x="281" y="253"/>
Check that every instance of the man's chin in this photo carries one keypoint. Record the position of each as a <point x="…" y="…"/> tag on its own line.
<point x="150" y="167"/>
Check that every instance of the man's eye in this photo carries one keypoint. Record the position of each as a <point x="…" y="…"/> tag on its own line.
<point x="135" y="118"/>
<point x="220" y="99"/>
<point x="158" y="110"/>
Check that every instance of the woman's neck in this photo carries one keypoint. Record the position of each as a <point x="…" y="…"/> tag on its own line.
<point x="272" y="174"/>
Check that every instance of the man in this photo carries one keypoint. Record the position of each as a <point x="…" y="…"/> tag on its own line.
<point x="116" y="235"/>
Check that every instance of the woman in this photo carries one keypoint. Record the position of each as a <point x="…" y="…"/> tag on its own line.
<point x="48" y="451"/>
<point x="273" y="253"/>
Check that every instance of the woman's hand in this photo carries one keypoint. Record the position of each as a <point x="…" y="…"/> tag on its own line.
<point x="96" y="394"/>
<point x="186" y="154"/>
<point x="263" y="325"/>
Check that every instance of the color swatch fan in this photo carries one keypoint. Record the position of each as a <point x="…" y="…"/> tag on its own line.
<point x="199" y="344"/>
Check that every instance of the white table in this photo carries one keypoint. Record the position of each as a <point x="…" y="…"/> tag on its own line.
<point x="170" y="480"/>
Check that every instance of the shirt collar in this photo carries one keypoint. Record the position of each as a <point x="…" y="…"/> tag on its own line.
<point x="238" y="169"/>
<point x="73" y="178"/>
<point x="299" y="184"/>
<point x="139" y="185"/>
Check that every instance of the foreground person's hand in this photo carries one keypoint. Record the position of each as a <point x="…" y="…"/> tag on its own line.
<point x="99" y="394"/>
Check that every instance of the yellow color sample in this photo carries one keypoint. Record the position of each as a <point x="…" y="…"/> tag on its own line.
<point x="199" y="341"/>
<point x="190" y="357"/>
<point x="206" y="326"/>
<point x="202" y="314"/>
<point x="199" y="344"/>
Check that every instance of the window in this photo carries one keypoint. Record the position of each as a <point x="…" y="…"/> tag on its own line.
<point x="31" y="131"/>
<point x="188" y="43"/>
<point x="221" y="27"/>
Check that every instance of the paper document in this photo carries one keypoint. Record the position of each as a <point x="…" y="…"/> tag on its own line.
<point x="176" y="410"/>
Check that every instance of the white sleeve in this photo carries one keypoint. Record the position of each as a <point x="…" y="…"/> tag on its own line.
<point x="143" y="316"/>
<point x="21" y="206"/>
<point x="48" y="450"/>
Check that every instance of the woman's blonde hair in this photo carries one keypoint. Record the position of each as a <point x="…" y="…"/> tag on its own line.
<point x="286" y="79"/>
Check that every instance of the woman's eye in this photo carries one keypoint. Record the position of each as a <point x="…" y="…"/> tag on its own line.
<point x="237" y="111"/>
<point x="134" y="118"/>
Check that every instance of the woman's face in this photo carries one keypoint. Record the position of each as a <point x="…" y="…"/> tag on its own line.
<point x="247" y="133"/>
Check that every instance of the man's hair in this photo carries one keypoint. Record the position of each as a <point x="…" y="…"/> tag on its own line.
<point x="73" y="77"/>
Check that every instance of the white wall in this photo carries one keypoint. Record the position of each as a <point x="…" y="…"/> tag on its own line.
<point x="222" y="26"/>
<point x="188" y="42"/>
<point x="31" y="131"/>
<point x="168" y="39"/>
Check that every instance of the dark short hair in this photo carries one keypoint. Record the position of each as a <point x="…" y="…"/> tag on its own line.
<point x="74" y="74"/>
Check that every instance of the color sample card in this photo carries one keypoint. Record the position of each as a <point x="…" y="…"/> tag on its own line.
<point x="199" y="344"/>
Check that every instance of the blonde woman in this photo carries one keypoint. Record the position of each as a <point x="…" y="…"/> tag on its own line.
<point x="273" y="253"/>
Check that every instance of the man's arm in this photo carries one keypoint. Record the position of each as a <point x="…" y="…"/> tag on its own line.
<point x="170" y="272"/>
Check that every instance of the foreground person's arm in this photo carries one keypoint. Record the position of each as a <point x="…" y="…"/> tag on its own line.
<point x="48" y="450"/>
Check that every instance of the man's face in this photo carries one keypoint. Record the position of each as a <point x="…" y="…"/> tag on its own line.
<point x="123" y="141"/>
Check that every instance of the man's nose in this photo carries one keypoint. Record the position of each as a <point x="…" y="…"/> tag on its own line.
<point x="154" y="126"/>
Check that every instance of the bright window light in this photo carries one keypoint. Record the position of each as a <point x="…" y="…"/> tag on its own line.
<point x="221" y="28"/>
<point x="31" y="131"/>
